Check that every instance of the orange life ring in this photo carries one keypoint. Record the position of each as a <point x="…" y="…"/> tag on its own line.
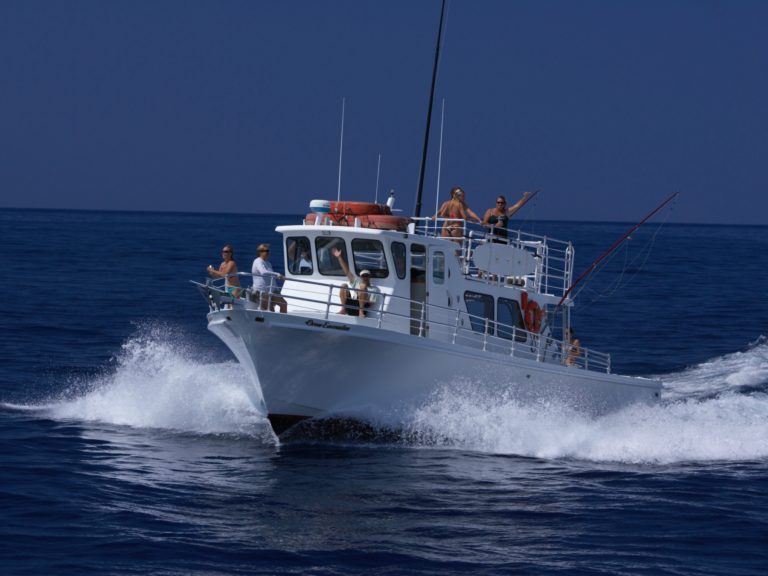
<point x="533" y="315"/>
<point x="359" y="208"/>
<point x="384" y="222"/>
<point x="376" y="221"/>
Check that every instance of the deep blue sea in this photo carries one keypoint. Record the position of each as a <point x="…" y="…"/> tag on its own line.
<point x="128" y="444"/>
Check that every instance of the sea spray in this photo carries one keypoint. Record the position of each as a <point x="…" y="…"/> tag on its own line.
<point x="745" y="371"/>
<point x="158" y="381"/>
<point x="731" y="427"/>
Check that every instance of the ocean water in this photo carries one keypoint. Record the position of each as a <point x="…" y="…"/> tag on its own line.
<point x="129" y="443"/>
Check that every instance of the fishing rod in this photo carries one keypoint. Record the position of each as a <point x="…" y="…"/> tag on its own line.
<point x="613" y="247"/>
<point x="417" y="209"/>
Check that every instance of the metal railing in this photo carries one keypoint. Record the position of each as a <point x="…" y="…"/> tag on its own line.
<point x="554" y="258"/>
<point x="450" y="325"/>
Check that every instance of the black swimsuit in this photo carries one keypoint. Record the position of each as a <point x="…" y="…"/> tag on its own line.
<point x="499" y="225"/>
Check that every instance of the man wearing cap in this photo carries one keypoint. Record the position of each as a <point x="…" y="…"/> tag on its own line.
<point x="349" y="304"/>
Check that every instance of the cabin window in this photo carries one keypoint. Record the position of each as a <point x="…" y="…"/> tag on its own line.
<point x="418" y="264"/>
<point x="479" y="307"/>
<point x="438" y="268"/>
<point x="327" y="263"/>
<point x="369" y="255"/>
<point x="398" y="257"/>
<point x="298" y="252"/>
<point x="508" y="315"/>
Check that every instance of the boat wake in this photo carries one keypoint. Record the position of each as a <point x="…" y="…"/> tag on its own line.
<point x="715" y="411"/>
<point x="159" y="381"/>
<point x="741" y="372"/>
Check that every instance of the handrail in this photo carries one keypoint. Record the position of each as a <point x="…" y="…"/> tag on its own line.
<point x="554" y="268"/>
<point x="445" y="324"/>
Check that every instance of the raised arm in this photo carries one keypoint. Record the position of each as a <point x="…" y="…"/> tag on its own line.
<point x="340" y="256"/>
<point x="519" y="204"/>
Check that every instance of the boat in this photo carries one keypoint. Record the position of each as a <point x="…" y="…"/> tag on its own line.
<point x="487" y="311"/>
<point x="477" y="310"/>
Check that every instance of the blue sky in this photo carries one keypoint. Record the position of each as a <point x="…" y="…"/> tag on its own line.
<point x="235" y="106"/>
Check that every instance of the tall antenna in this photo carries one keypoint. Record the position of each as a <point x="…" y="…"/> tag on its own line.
<point x="341" y="146"/>
<point x="417" y="210"/>
<point x="378" y="171"/>
<point x="440" y="157"/>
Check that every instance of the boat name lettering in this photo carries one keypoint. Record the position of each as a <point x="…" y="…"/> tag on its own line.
<point x="327" y="325"/>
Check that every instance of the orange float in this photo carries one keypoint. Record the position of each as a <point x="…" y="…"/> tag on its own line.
<point x="532" y="313"/>
<point x="368" y="214"/>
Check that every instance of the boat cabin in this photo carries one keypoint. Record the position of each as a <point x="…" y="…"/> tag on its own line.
<point x="424" y="283"/>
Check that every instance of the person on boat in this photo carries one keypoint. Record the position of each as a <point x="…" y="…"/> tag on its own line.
<point x="302" y="265"/>
<point x="572" y="348"/>
<point x="305" y="262"/>
<point x="455" y="210"/>
<point x="265" y="281"/>
<point x="228" y="270"/>
<point x="357" y="296"/>
<point x="497" y="218"/>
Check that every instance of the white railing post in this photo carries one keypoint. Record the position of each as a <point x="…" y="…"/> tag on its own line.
<point x="456" y="326"/>
<point x="538" y="347"/>
<point x="423" y="319"/>
<point x="514" y="339"/>
<point x="328" y="301"/>
<point x="485" y="335"/>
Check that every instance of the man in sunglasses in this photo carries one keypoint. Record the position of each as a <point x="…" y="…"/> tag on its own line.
<point x="265" y="281"/>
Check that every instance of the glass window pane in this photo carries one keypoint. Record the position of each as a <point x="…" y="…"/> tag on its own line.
<point x="327" y="264"/>
<point x="369" y="255"/>
<point x="480" y="307"/>
<point x="438" y="268"/>
<point x="418" y="257"/>
<point x="509" y="315"/>
<point x="398" y="257"/>
<point x="298" y="252"/>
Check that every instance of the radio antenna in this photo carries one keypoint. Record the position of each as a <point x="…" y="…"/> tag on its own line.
<point x="341" y="147"/>
<point x="439" y="159"/>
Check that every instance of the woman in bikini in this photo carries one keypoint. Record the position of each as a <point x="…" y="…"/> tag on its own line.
<point x="455" y="211"/>
<point x="227" y="269"/>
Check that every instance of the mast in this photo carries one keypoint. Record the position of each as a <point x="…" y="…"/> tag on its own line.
<point x="417" y="209"/>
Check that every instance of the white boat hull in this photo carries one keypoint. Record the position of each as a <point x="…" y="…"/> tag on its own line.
<point x="308" y="367"/>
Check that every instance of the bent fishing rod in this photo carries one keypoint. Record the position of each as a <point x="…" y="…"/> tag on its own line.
<point x="613" y="247"/>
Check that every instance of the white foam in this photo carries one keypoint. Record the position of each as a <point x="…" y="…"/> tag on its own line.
<point x="159" y="382"/>
<point x="732" y="428"/>
<point x="705" y="416"/>
<point x="731" y="372"/>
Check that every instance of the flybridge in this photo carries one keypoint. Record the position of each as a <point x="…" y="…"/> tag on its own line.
<point x="536" y="262"/>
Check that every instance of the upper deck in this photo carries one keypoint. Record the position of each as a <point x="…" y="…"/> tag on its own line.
<point x="539" y="264"/>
